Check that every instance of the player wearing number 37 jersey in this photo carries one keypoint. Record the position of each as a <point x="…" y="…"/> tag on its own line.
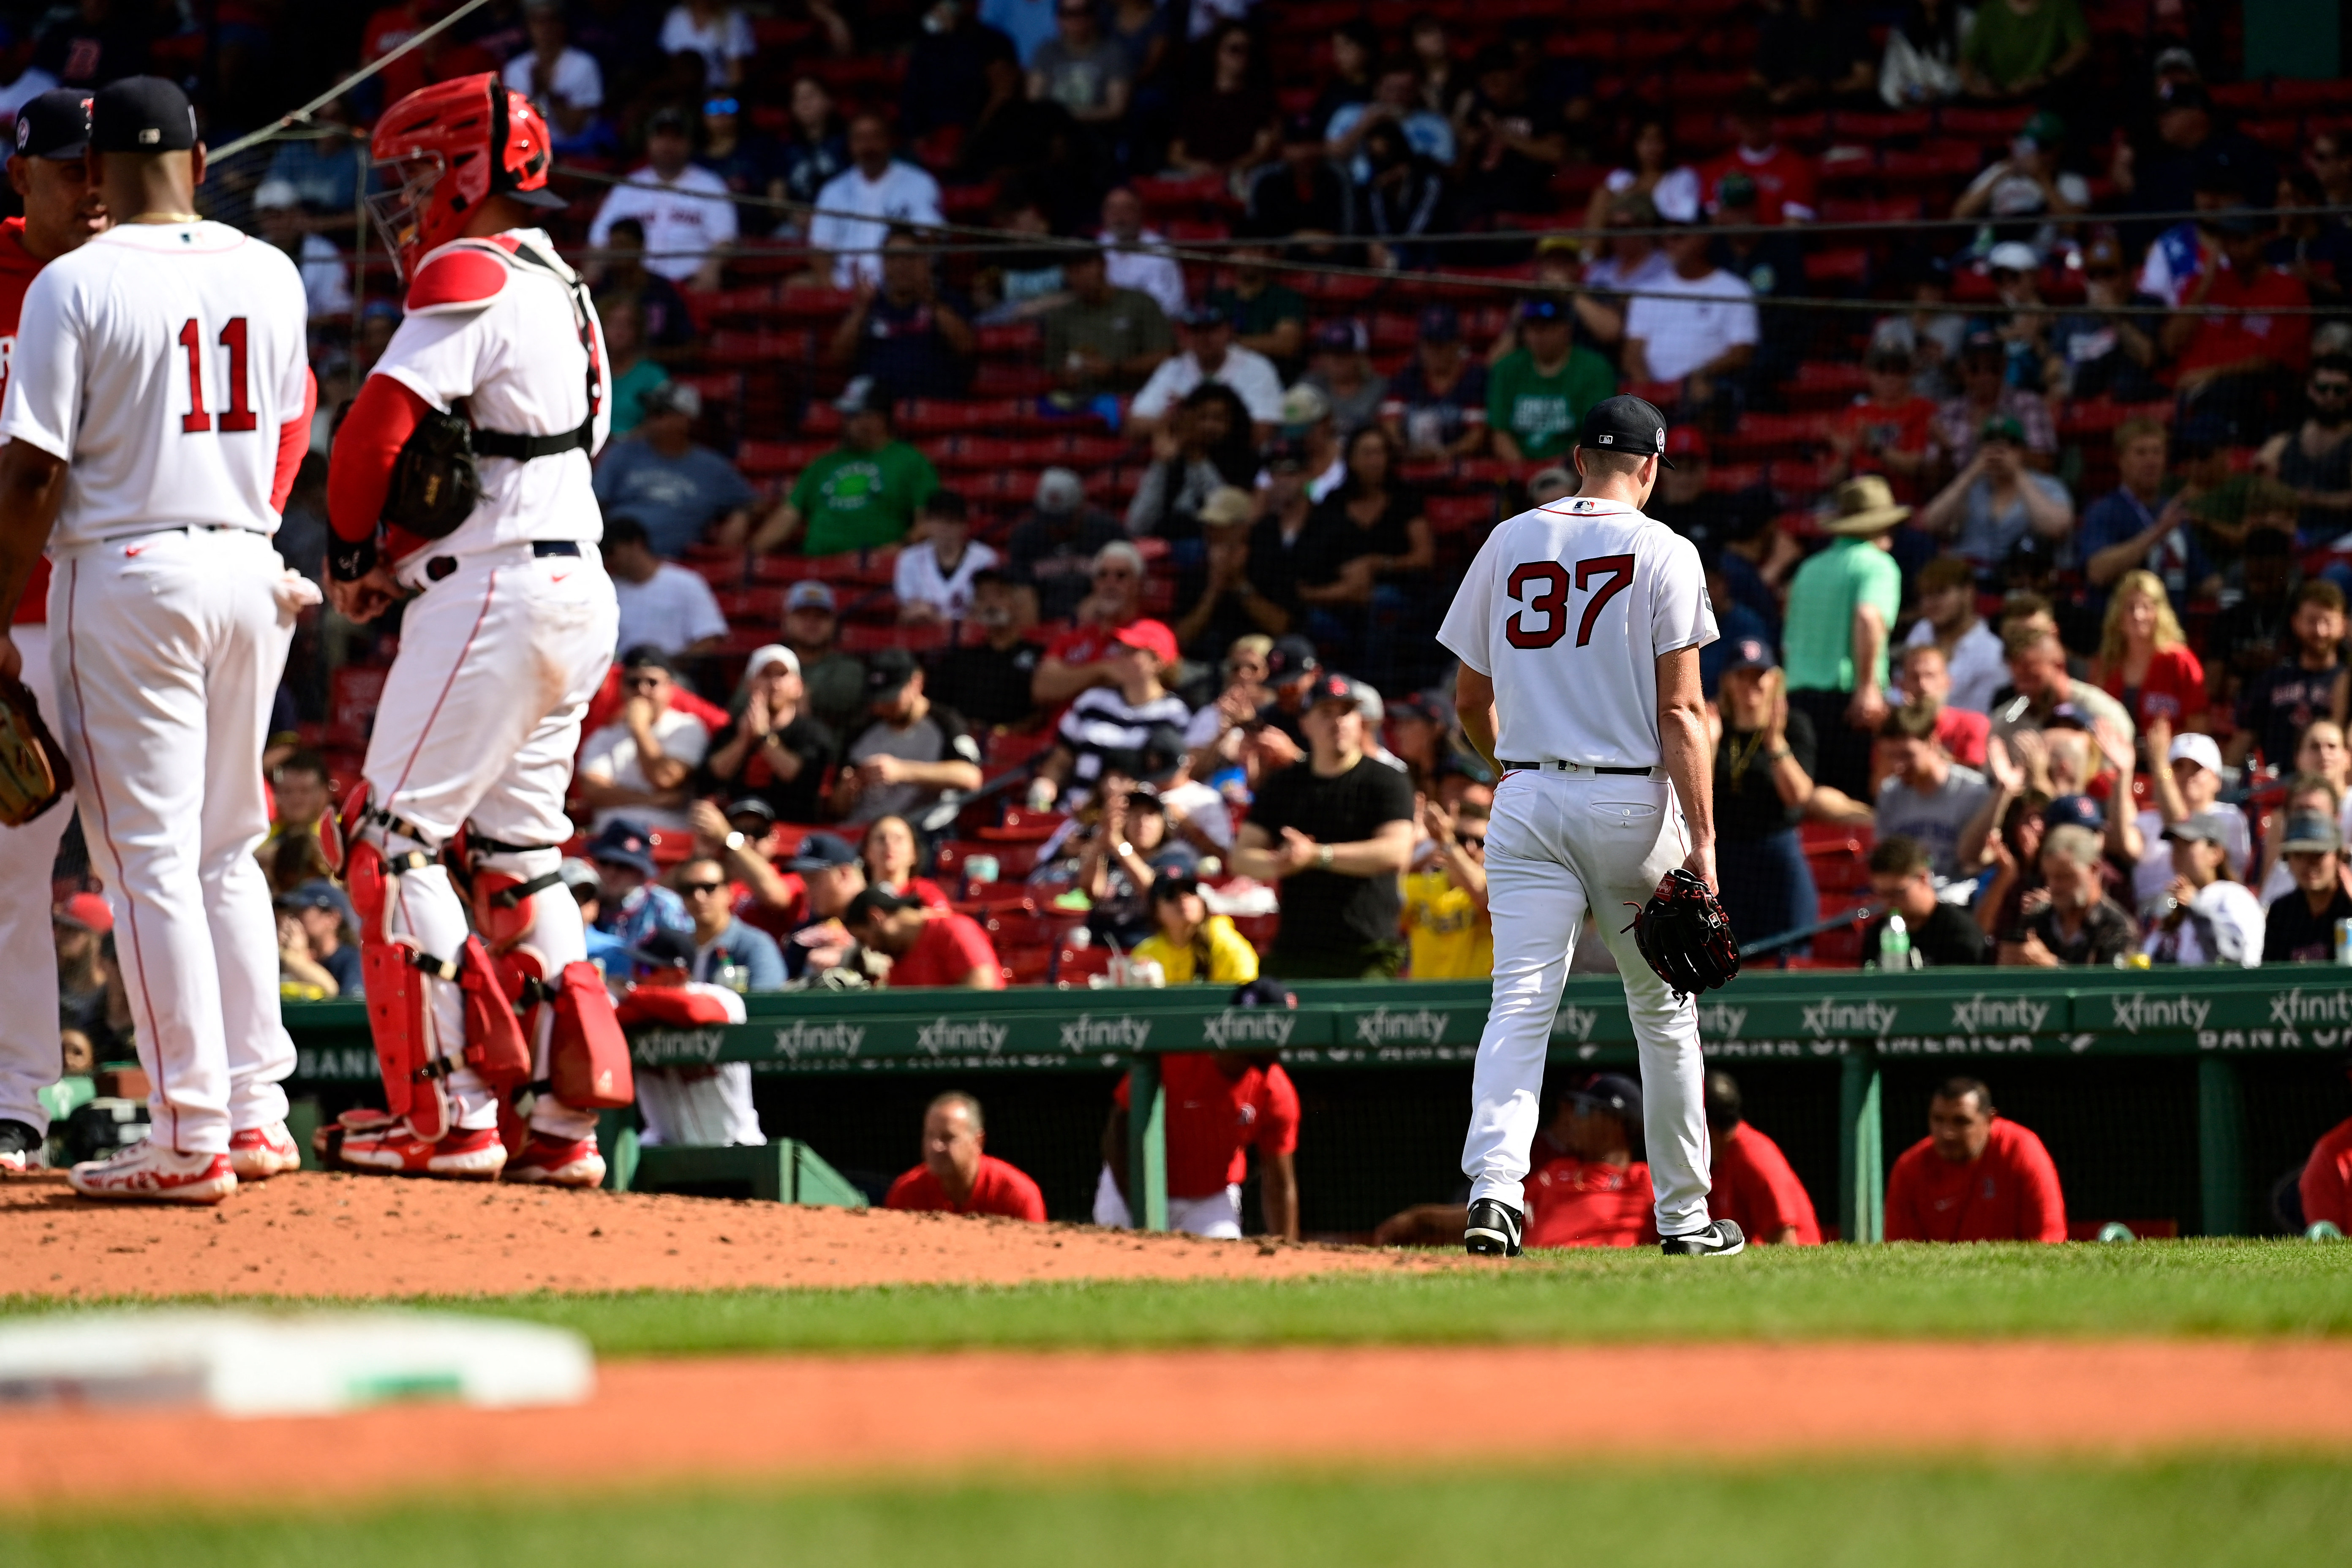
<point x="158" y="401"/>
<point x="1579" y="627"/>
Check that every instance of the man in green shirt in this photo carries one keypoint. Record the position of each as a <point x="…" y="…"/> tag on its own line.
<point x="1842" y="607"/>
<point x="862" y="493"/>
<point x="2016" y="48"/>
<point x="1105" y="338"/>
<point x="1268" y="318"/>
<point x="1541" y="389"/>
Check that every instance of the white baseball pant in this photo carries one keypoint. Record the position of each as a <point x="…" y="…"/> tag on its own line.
<point x="1558" y="844"/>
<point x="167" y="649"/>
<point x="698" y="1107"/>
<point x="478" y="724"/>
<point x="28" y="976"/>
<point x="1217" y="1216"/>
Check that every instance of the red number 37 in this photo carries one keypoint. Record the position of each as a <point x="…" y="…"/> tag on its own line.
<point x="1549" y="579"/>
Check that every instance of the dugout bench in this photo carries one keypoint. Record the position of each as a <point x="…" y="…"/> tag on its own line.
<point x="1863" y="1028"/>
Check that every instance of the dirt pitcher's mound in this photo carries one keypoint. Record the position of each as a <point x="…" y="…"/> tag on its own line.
<point x="357" y="1236"/>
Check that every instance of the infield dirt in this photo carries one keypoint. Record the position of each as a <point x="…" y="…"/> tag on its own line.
<point x="731" y="1418"/>
<point x="314" y="1234"/>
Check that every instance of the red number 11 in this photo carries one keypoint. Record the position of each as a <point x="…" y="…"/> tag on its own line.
<point x="239" y="415"/>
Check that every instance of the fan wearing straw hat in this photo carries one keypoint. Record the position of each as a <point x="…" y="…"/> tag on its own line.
<point x="1842" y="606"/>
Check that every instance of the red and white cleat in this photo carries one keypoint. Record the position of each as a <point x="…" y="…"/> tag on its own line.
<point x="259" y="1153"/>
<point x="558" y="1162"/>
<point x="150" y="1172"/>
<point x="392" y="1149"/>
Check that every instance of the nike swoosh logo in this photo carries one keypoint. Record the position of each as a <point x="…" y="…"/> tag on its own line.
<point x="559" y="577"/>
<point x="132" y="549"/>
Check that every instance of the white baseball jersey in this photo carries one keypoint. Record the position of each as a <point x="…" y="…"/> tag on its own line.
<point x="489" y="327"/>
<point x="1567" y="609"/>
<point x="160" y="360"/>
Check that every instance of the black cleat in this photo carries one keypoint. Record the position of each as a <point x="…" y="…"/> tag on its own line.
<point x="1721" y="1239"/>
<point x="21" y="1147"/>
<point x="1493" y="1229"/>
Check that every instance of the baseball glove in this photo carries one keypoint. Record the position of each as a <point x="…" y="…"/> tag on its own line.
<point x="34" y="774"/>
<point x="1685" y="935"/>
<point x="435" y="486"/>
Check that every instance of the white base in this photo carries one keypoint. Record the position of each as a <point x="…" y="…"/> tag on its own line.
<point x="237" y="1362"/>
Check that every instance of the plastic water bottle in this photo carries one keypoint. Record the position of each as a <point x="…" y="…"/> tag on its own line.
<point x="2344" y="941"/>
<point x="1894" y="945"/>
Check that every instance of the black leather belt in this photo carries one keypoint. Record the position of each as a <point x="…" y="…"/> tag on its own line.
<point x="440" y="566"/>
<point x="1571" y="767"/>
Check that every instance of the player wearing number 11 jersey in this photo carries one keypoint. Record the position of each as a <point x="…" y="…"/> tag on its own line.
<point x="1579" y="627"/>
<point x="158" y="403"/>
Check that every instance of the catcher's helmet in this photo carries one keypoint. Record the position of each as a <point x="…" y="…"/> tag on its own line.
<point x="447" y="149"/>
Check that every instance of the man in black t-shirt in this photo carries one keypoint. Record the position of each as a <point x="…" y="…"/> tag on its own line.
<point x="989" y="685"/>
<point x="913" y="752"/>
<point x="2300" y="927"/>
<point x="1336" y="830"/>
<point x="773" y="749"/>
<point x="1943" y="935"/>
<point x="2280" y="702"/>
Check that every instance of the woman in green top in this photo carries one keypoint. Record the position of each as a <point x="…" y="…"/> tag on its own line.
<point x="633" y="375"/>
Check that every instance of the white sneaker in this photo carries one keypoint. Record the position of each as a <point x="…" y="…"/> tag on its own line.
<point x="150" y="1172"/>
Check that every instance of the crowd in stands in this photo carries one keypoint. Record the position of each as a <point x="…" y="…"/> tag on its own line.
<point x="1046" y="433"/>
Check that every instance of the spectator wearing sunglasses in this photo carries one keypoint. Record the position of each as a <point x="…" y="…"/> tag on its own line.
<point x="1089" y="653"/>
<point x="638" y="766"/>
<point x="2096" y="352"/>
<point x="727" y="952"/>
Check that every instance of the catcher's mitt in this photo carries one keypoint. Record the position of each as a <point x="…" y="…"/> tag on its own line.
<point x="435" y="486"/>
<point x="1685" y="935"/>
<point x="34" y="774"/>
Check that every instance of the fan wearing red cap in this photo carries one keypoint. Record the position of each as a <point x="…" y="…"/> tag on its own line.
<point x="508" y="630"/>
<point x="1108" y="727"/>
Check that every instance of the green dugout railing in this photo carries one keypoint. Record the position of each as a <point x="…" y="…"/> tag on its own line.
<point x="1859" y="1020"/>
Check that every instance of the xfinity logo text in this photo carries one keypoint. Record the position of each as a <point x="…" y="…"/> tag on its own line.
<point x="1982" y="1014"/>
<point x="807" y="1039"/>
<point x="1829" y="1016"/>
<point x="2297" y="1006"/>
<point x="1721" y="1020"/>
<point x="1379" y="1025"/>
<point x="1086" y="1032"/>
<point x="2140" y="1011"/>
<point x="1249" y="1027"/>
<point x="660" y="1048"/>
<point x="956" y="1034"/>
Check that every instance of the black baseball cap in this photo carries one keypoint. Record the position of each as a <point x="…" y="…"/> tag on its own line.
<point x="141" y="115"/>
<point x="54" y="124"/>
<point x="1612" y="1094"/>
<point x="1625" y="424"/>
<point x="887" y="671"/>
<point x="1290" y="657"/>
<point x="822" y="852"/>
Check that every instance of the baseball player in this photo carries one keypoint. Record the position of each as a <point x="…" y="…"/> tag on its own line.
<point x="62" y="208"/>
<point x="461" y="481"/>
<point x="159" y="402"/>
<point x="1579" y="627"/>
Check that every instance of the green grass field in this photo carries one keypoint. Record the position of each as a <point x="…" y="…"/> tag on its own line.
<point x="2203" y="1511"/>
<point x="2225" y="1514"/>
<point x="2242" y="1288"/>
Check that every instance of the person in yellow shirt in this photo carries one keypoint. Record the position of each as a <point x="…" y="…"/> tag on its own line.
<point x="1192" y="945"/>
<point x="1445" y="916"/>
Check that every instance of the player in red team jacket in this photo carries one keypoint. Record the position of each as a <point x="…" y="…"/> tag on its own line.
<point x="2325" y="1186"/>
<point x="1752" y="1182"/>
<point x="1975" y="1177"/>
<point x="50" y="173"/>
<point x="956" y="1175"/>
<point x="1584" y="1188"/>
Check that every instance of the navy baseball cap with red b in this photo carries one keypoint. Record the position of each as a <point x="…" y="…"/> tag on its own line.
<point x="1625" y="424"/>
<point x="54" y="124"/>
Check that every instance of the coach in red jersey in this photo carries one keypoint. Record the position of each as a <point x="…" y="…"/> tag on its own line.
<point x="1752" y="1182"/>
<point x="1584" y="1188"/>
<point x="50" y="173"/>
<point x="1976" y="1176"/>
<point x="958" y="1175"/>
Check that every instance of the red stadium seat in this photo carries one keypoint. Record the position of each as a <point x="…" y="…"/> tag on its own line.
<point x="1076" y="965"/>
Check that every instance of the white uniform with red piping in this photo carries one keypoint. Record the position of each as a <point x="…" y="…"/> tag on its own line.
<point x="166" y="364"/>
<point x="513" y="626"/>
<point x="1567" y="608"/>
